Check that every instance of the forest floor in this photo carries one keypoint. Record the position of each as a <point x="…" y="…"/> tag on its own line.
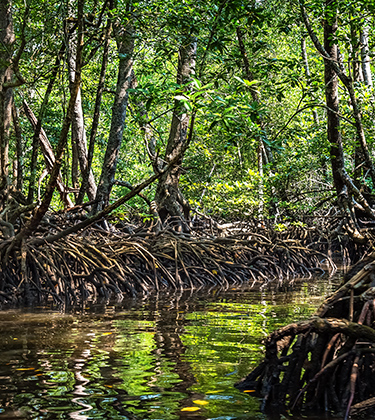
<point x="129" y="260"/>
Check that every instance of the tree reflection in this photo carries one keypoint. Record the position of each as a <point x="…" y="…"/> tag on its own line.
<point x="144" y="360"/>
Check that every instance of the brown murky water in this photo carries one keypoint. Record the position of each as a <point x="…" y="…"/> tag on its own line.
<point x="167" y="357"/>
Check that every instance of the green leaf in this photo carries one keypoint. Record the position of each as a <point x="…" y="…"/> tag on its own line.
<point x="197" y="83"/>
<point x="239" y="79"/>
<point x="251" y="83"/>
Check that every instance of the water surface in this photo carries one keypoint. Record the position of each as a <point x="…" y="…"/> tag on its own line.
<point x="166" y="357"/>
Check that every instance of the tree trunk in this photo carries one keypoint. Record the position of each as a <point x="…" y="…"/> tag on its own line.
<point x="359" y="161"/>
<point x="354" y="62"/>
<point x="34" y="222"/>
<point x="349" y="85"/>
<point x="37" y="125"/>
<point x="332" y="101"/>
<point x="125" y="45"/>
<point x="6" y="95"/>
<point x="79" y="139"/>
<point x="341" y="180"/>
<point x="261" y="182"/>
<point x="19" y="148"/>
<point x="345" y="188"/>
<point x="95" y="121"/>
<point x="48" y="154"/>
<point x="79" y="143"/>
<point x="168" y="197"/>
<point x="150" y="145"/>
<point x="366" y="69"/>
<point x="307" y="73"/>
<point x="74" y="169"/>
<point x="145" y="126"/>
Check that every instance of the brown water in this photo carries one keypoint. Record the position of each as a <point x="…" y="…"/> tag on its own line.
<point x="167" y="357"/>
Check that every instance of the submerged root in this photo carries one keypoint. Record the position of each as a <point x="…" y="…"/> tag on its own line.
<point x="326" y="363"/>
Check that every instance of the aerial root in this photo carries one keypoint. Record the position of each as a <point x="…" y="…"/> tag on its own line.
<point x="97" y="265"/>
<point x="326" y="363"/>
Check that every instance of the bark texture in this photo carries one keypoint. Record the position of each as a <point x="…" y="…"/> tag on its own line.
<point x="346" y="80"/>
<point x="79" y="142"/>
<point x="332" y="101"/>
<point x="124" y="35"/>
<point x="48" y="154"/>
<point x="95" y="123"/>
<point x="366" y="69"/>
<point x="19" y="150"/>
<point x="360" y="167"/>
<point x="168" y="197"/>
<point x="6" y="95"/>
<point x="308" y="73"/>
<point x="349" y="195"/>
<point x="39" y="134"/>
<point x="34" y="222"/>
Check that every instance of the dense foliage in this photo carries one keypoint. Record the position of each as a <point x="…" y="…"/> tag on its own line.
<point x="254" y="142"/>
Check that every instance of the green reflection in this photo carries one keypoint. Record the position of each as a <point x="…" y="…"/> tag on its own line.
<point x="146" y="360"/>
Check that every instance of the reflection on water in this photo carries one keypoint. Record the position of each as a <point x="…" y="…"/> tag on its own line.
<point x="167" y="357"/>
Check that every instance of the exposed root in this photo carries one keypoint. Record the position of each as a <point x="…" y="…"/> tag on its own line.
<point x="97" y="263"/>
<point x="326" y="363"/>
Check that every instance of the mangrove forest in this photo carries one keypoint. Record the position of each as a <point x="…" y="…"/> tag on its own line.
<point x="154" y="150"/>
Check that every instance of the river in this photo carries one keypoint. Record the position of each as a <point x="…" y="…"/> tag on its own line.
<point x="165" y="357"/>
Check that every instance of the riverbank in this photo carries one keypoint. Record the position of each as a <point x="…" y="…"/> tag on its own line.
<point x="134" y="260"/>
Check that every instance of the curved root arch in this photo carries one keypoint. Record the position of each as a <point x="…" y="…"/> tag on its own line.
<point x="326" y="363"/>
<point x="77" y="267"/>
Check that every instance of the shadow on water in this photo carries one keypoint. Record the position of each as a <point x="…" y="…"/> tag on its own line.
<point x="167" y="357"/>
